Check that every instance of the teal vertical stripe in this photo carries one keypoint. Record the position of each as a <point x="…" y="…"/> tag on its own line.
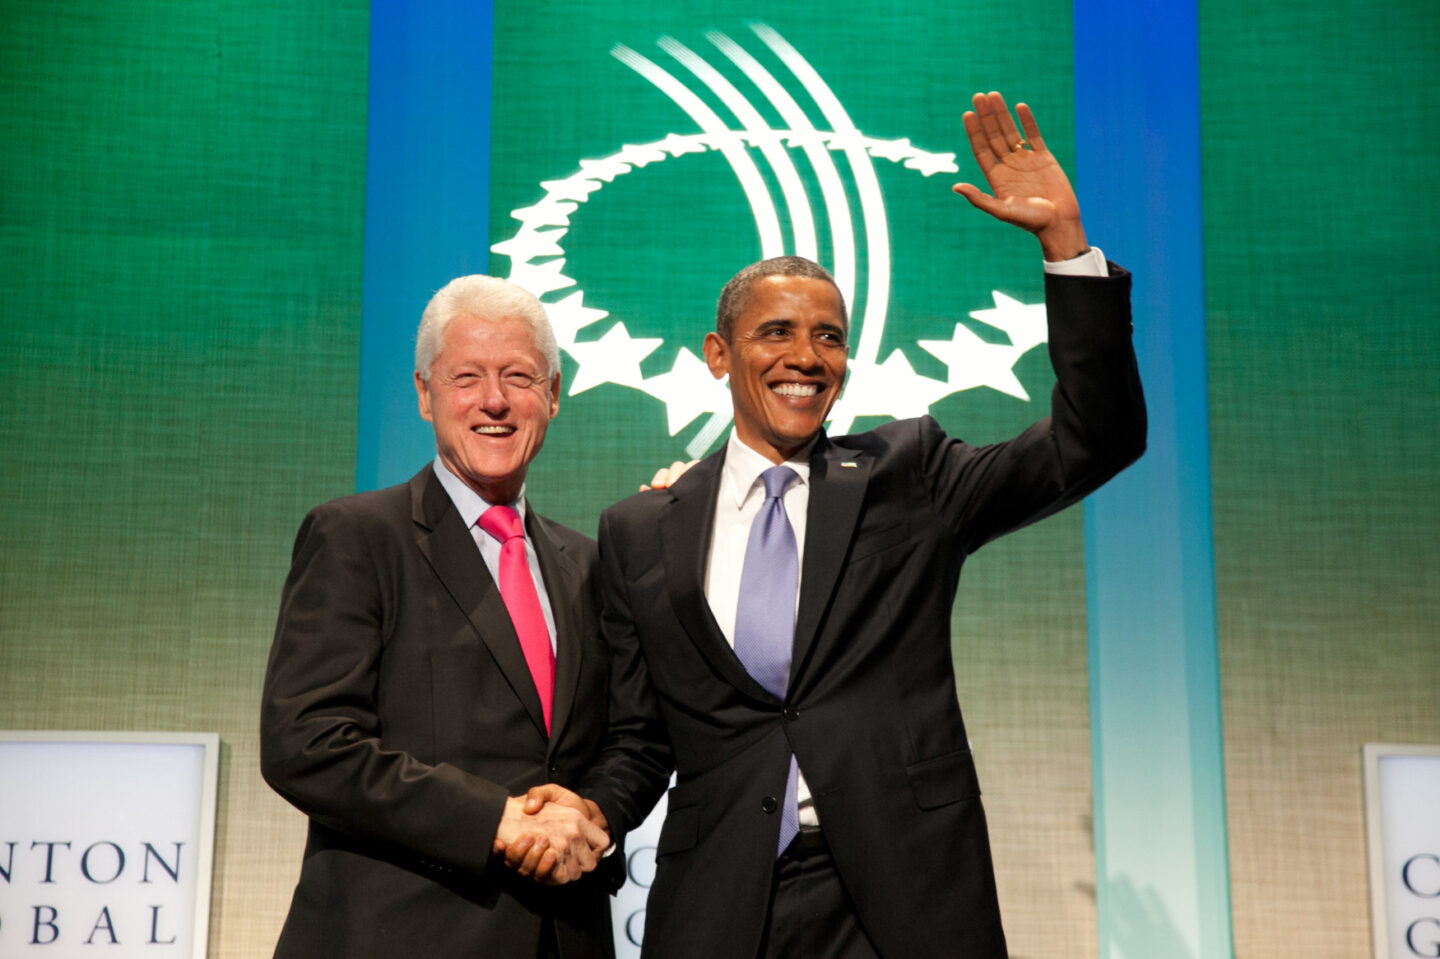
<point x="427" y="194"/>
<point x="1160" y="830"/>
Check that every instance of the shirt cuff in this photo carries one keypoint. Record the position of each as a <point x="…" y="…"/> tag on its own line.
<point x="1089" y="263"/>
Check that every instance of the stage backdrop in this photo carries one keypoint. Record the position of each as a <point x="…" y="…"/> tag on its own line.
<point x="181" y="207"/>
<point x="1324" y="365"/>
<point x="182" y="196"/>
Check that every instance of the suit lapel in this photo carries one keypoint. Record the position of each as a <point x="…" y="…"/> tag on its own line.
<point x="450" y="549"/>
<point x="558" y="570"/>
<point x="838" y="478"/>
<point x="692" y="510"/>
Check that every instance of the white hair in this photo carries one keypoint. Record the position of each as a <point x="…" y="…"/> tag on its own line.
<point x="489" y="298"/>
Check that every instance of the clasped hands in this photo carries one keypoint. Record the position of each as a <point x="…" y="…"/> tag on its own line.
<point x="551" y="835"/>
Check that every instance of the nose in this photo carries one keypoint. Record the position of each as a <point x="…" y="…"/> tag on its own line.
<point x="802" y="355"/>
<point x="492" y="397"/>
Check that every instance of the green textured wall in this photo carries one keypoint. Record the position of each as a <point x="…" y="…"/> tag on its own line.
<point x="1320" y="150"/>
<point x="181" y="192"/>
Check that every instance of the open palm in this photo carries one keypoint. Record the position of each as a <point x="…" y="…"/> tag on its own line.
<point x="1028" y="188"/>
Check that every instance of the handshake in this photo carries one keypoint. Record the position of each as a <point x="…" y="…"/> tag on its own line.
<point x="551" y="835"/>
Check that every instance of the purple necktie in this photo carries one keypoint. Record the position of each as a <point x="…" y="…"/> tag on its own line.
<point x="765" y="614"/>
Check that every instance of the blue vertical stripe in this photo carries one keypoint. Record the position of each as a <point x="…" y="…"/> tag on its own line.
<point x="427" y="194"/>
<point x="1160" y="834"/>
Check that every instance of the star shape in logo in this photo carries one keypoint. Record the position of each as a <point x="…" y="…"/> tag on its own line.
<point x="972" y="362"/>
<point x="1024" y="323"/>
<point x="891" y="388"/>
<point x="614" y="358"/>
<point x="688" y="390"/>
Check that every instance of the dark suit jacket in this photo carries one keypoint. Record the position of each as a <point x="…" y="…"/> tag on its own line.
<point x="871" y="711"/>
<point x="399" y="714"/>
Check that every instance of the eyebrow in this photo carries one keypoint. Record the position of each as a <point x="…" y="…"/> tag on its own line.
<point x="789" y="321"/>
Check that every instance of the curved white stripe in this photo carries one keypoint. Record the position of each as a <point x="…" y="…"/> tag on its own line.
<point x="700" y="444"/>
<point x="872" y="206"/>
<point x="767" y="220"/>
<point x="802" y="220"/>
<point x="837" y="206"/>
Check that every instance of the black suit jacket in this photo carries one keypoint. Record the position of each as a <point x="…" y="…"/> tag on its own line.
<point x="399" y="714"/>
<point x="871" y="711"/>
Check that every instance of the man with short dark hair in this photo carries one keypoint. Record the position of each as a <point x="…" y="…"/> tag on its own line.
<point x="437" y="654"/>
<point x="779" y="619"/>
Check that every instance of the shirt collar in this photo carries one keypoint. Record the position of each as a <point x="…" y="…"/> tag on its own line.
<point x="468" y="503"/>
<point x="744" y="465"/>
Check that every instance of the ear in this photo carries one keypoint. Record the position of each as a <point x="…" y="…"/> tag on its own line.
<point x="717" y="354"/>
<point x="554" y="395"/>
<point x="422" y="393"/>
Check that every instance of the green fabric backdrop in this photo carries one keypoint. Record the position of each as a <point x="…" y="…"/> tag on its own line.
<point x="181" y="192"/>
<point x="1320" y="151"/>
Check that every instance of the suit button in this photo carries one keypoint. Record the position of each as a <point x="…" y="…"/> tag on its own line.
<point x="769" y="804"/>
<point x="791" y="713"/>
<point x="552" y="767"/>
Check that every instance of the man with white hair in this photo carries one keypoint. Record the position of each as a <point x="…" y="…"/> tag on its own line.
<point x="438" y="653"/>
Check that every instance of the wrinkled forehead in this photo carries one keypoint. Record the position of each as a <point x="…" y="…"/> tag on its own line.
<point x="488" y="334"/>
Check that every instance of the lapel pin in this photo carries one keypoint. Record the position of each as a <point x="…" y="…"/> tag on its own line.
<point x="848" y="464"/>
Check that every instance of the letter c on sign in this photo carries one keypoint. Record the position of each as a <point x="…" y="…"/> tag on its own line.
<point x="1428" y="875"/>
<point x="635" y="927"/>
<point x="640" y="866"/>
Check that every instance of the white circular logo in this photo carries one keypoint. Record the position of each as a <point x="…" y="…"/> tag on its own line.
<point x="875" y="387"/>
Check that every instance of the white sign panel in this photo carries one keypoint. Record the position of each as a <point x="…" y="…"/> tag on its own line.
<point x="1402" y="817"/>
<point x="106" y="840"/>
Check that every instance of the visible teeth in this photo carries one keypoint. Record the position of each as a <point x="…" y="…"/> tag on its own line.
<point x="491" y="430"/>
<point x="796" y="389"/>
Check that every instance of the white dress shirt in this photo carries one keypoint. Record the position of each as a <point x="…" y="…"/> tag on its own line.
<point x="1089" y="263"/>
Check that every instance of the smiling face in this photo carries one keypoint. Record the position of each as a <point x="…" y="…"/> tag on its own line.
<point x="490" y="403"/>
<point x="786" y="360"/>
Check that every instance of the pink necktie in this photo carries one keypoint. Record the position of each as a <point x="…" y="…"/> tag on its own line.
<point x="517" y="588"/>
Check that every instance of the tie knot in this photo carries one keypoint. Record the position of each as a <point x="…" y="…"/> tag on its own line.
<point x="502" y="522"/>
<point x="776" y="479"/>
